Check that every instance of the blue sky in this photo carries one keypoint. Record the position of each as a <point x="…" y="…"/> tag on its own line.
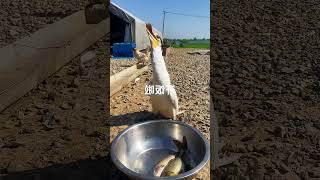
<point x="176" y="26"/>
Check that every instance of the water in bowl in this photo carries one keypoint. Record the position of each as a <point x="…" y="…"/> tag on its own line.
<point x="146" y="161"/>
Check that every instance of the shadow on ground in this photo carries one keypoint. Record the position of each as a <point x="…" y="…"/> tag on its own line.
<point x="97" y="169"/>
<point x="133" y="118"/>
<point x="80" y="170"/>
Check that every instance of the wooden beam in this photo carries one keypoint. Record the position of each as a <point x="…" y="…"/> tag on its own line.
<point x="123" y="78"/>
<point x="29" y="61"/>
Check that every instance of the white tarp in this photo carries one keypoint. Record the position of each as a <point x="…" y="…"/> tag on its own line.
<point x="135" y="31"/>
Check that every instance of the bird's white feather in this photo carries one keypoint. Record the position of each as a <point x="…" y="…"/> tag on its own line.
<point x="167" y="103"/>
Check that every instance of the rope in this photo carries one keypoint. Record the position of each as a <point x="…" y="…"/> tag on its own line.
<point x="190" y="15"/>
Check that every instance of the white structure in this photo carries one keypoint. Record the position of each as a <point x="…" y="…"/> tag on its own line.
<point x="127" y="28"/>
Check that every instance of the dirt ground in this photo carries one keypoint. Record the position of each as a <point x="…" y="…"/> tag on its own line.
<point x="58" y="130"/>
<point x="265" y="80"/>
<point x="62" y="121"/>
<point x="190" y="76"/>
<point x="21" y="18"/>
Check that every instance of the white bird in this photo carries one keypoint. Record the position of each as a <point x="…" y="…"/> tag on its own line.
<point x="143" y="58"/>
<point x="165" y="104"/>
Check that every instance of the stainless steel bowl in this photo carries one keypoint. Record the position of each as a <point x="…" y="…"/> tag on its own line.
<point x="137" y="149"/>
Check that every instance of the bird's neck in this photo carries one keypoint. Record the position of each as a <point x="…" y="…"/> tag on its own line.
<point x="157" y="55"/>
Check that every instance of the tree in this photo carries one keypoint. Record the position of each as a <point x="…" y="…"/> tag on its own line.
<point x="184" y="41"/>
<point x="167" y="42"/>
<point x="194" y="38"/>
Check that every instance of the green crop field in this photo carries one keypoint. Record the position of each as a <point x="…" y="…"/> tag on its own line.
<point x="200" y="44"/>
<point x="194" y="45"/>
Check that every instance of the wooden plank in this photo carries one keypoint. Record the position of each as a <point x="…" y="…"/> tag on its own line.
<point x="122" y="74"/>
<point x="123" y="78"/>
<point x="29" y="61"/>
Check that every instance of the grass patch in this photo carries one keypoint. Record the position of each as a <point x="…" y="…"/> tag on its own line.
<point x="194" y="45"/>
<point x="200" y="44"/>
<point x="188" y="43"/>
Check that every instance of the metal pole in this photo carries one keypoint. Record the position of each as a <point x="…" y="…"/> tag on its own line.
<point x="164" y="17"/>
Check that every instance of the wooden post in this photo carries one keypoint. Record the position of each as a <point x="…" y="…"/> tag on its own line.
<point x="27" y="62"/>
<point x="121" y="79"/>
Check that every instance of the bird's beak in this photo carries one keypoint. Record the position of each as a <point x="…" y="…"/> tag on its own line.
<point x="152" y="36"/>
<point x="149" y="31"/>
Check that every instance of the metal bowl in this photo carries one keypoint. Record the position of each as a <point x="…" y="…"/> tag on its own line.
<point x="137" y="149"/>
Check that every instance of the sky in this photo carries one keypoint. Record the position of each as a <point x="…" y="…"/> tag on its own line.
<point x="176" y="26"/>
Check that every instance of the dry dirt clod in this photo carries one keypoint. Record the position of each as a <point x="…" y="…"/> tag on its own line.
<point x="48" y="120"/>
<point x="26" y="131"/>
<point x="51" y="94"/>
<point x="39" y="106"/>
<point x="136" y="80"/>
<point x="12" y="145"/>
<point x="65" y="106"/>
<point x="291" y="176"/>
<point x="14" y="166"/>
<point x="66" y="137"/>
<point x="57" y="144"/>
<point x="20" y="115"/>
<point x="283" y="168"/>
<point x="94" y="134"/>
<point x="76" y="82"/>
<point x="13" y="32"/>
<point x="82" y="70"/>
<point x="88" y="56"/>
<point x="280" y="131"/>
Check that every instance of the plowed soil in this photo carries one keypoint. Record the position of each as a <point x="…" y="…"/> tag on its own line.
<point x="57" y="130"/>
<point x="265" y="81"/>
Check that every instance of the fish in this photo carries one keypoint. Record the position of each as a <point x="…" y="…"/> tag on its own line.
<point x="174" y="167"/>
<point x="185" y="154"/>
<point x="160" y="166"/>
